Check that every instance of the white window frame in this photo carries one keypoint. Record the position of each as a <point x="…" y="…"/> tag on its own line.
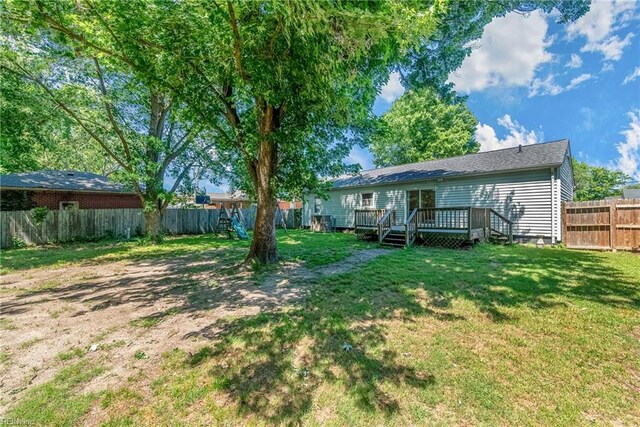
<point x="371" y="204"/>
<point x="67" y="205"/>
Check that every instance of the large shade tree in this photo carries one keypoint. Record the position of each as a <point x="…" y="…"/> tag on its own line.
<point x="287" y="86"/>
<point x="423" y="125"/>
<point x="139" y="128"/>
<point x="35" y="134"/>
<point x="597" y="182"/>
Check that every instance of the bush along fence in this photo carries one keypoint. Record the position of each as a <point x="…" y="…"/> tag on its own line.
<point x="602" y="224"/>
<point x="37" y="227"/>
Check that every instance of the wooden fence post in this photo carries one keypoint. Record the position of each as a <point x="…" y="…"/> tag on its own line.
<point x="613" y="229"/>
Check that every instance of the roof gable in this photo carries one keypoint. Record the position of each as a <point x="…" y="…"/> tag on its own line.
<point x="534" y="156"/>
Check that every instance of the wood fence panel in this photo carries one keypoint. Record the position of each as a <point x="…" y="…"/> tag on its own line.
<point x="602" y="224"/>
<point x="68" y="225"/>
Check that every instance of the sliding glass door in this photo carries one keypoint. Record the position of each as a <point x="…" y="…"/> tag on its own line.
<point x="420" y="199"/>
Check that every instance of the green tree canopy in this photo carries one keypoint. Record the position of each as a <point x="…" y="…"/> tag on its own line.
<point x="596" y="182"/>
<point x="35" y="134"/>
<point x="422" y="125"/>
<point x="287" y="87"/>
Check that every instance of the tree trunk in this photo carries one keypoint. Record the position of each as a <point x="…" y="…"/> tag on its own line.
<point x="153" y="220"/>
<point x="263" y="247"/>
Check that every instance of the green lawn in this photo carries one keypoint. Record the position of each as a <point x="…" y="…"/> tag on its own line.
<point x="497" y="335"/>
<point x="294" y="245"/>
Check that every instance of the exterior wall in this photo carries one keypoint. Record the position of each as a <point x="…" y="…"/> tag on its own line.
<point x="526" y="197"/>
<point x="52" y="199"/>
<point x="566" y="178"/>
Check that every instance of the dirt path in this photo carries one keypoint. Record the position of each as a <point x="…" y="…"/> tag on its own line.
<point x="122" y="309"/>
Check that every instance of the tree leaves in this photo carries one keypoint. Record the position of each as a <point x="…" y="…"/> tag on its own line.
<point x="421" y="125"/>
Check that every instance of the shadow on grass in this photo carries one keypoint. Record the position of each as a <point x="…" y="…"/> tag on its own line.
<point x="110" y="251"/>
<point x="272" y="364"/>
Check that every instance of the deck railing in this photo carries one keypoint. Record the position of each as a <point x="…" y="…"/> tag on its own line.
<point x="385" y="223"/>
<point x="411" y="227"/>
<point x="368" y="217"/>
<point x="500" y="224"/>
<point x="474" y="222"/>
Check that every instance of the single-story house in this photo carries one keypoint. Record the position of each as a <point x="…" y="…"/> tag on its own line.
<point x="525" y="184"/>
<point x="64" y="190"/>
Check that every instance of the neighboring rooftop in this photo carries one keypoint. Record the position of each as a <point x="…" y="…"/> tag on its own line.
<point x="237" y="196"/>
<point x="631" y="193"/>
<point x="61" y="180"/>
<point x="547" y="154"/>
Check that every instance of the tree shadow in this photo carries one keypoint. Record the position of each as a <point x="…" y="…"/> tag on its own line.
<point x="271" y="365"/>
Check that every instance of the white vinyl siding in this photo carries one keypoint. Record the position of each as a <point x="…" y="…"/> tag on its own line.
<point x="566" y="177"/>
<point x="524" y="197"/>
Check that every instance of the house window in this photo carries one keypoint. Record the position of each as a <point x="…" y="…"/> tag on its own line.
<point x="69" y="205"/>
<point x="317" y="204"/>
<point x="367" y="200"/>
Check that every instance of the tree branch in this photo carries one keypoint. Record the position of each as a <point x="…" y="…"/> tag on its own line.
<point x="237" y="42"/>
<point x="108" y="108"/>
<point x="24" y="73"/>
<point x="56" y="25"/>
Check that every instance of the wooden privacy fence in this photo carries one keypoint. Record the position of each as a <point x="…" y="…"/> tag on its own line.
<point x="68" y="225"/>
<point x="602" y="224"/>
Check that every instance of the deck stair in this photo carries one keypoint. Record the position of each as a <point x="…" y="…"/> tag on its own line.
<point x="457" y="226"/>
<point x="395" y="238"/>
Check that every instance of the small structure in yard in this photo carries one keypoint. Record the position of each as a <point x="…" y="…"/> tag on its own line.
<point x="64" y="190"/>
<point x="321" y="223"/>
<point x="512" y="193"/>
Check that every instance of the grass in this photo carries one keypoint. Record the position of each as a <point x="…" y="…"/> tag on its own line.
<point x="72" y="353"/>
<point x="7" y="324"/>
<point x="497" y="336"/>
<point x="296" y="245"/>
<point x="60" y="401"/>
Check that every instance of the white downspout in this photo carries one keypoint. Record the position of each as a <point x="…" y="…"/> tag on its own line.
<point x="553" y="206"/>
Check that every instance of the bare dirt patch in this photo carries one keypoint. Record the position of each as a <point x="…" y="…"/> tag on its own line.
<point x="125" y="315"/>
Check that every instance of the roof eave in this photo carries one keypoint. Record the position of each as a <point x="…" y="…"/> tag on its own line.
<point x="460" y="175"/>
<point x="2" y="188"/>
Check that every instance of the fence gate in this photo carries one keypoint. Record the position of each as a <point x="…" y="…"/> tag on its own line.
<point x="602" y="224"/>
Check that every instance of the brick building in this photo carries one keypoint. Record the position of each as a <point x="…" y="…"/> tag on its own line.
<point x="64" y="190"/>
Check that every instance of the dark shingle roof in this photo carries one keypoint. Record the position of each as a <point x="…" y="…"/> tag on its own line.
<point x="508" y="159"/>
<point x="61" y="180"/>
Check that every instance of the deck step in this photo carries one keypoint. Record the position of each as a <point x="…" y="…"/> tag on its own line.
<point x="394" y="244"/>
<point x="395" y="239"/>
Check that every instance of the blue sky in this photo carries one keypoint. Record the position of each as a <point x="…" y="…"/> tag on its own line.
<point x="530" y="80"/>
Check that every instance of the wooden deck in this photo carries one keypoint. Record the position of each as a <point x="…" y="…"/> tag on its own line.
<point x="467" y="223"/>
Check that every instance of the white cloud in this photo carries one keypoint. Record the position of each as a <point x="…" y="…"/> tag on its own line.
<point x="631" y="77"/>
<point x="598" y="25"/>
<point x="548" y="86"/>
<point x="629" y="150"/>
<point x="393" y="89"/>
<point x="511" y="49"/>
<point x="575" y="61"/>
<point x="518" y="135"/>
<point x="575" y="82"/>
<point x="606" y="67"/>
<point x="611" y="48"/>
<point x="589" y="115"/>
